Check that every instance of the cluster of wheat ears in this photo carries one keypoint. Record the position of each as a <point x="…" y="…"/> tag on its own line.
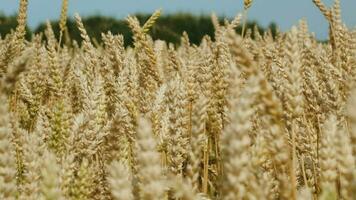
<point x="236" y="117"/>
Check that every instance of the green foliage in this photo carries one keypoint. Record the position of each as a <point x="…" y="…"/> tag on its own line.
<point x="168" y="27"/>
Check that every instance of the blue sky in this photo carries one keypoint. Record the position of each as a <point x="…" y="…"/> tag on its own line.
<point x="284" y="12"/>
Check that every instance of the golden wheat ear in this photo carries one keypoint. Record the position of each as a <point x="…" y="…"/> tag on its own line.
<point x="88" y="46"/>
<point x="247" y="4"/>
<point x="150" y="173"/>
<point x="8" y="168"/>
<point x="120" y="179"/>
<point x="323" y="9"/>
<point x="151" y="21"/>
<point x="21" y="21"/>
<point x="63" y="20"/>
<point x="50" y="187"/>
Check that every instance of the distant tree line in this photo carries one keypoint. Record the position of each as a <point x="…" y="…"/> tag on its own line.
<point x="168" y="27"/>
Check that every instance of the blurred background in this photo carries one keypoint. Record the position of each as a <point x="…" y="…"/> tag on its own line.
<point x="190" y="15"/>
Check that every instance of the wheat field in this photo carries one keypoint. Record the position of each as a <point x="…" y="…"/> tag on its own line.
<point x="251" y="117"/>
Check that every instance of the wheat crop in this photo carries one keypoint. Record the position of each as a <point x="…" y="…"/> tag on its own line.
<point x="251" y="118"/>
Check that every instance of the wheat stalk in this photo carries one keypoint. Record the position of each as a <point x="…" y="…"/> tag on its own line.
<point x="247" y="5"/>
